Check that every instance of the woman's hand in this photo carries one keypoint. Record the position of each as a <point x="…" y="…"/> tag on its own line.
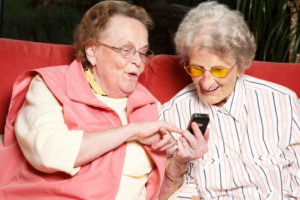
<point x="191" y="147"/>
<point x="155" y="134"/>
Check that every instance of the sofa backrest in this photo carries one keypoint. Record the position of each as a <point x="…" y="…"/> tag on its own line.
<point x="164" y="76"/>
<point x="18" y="56"/>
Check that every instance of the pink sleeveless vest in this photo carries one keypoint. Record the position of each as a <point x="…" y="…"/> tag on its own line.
<point x="82" y="111"/>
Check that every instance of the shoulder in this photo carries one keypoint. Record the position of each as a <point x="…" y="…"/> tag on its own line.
<point x="141" y="92"/>
<point x="39" y="93"/>
<point x="253" y="84"/>
<point x="53" y="71"/>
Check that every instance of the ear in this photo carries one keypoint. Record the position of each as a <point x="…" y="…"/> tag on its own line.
<point x="90" y="52"/>
<point x="240" y="72"/>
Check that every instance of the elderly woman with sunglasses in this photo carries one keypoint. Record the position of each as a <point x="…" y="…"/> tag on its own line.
<point x="253" y="148"/>
<point x="89" y="130"/>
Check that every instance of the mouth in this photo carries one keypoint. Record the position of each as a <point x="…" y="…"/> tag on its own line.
<point x="212" y="89"/>
<point x="133" y="75"/>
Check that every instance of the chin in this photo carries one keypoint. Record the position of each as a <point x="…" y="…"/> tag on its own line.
<point x="128" y="91"/>
<point x="129" y="88"/>
<point x="215" y="102"/>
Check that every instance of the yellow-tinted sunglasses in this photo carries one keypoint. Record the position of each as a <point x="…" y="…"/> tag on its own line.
<point x="216" y="71"/>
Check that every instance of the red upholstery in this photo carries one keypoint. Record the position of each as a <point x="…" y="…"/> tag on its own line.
<point x="17" y="56"/>
<point x="286" y="74"/>
<point x="164" y="76"/>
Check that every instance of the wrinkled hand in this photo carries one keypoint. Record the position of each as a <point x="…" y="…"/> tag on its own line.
<point x="191" y="147"/>
<point x="155" y="134"/>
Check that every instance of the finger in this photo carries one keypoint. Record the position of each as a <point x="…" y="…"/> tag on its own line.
<point x="186" y="145"/>
<point x="179" y="148"/>
<point x="181" y="153"/>
<point x="167" y="146"/>
<point x="150" y="140"/>
<point x="189" y="137"/>
<point x="165" y="140"/>
<point x="197" y="131"/>
<point x="169" y="127"/>
<point x="206" y="134"/>
<point x="199" y="138"/>
<point x="191" y="142"/>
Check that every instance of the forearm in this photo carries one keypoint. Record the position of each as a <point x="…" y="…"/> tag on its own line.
<point x="95" y="144"/>
<point x="149" y="133"/>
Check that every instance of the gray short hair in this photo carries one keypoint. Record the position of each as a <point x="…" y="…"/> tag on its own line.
<point x="216" y="28"/>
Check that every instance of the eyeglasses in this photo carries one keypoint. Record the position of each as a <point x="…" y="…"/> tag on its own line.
<point x="216" y="71"/>
<point x="128" y="51"/>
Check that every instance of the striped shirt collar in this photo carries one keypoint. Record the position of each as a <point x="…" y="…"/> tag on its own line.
<point x="235" y="105"/>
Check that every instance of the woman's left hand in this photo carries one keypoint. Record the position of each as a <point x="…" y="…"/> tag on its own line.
<point x="191" y="147"/>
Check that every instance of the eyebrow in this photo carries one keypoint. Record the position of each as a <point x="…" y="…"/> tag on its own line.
<point x="143" y="47"/>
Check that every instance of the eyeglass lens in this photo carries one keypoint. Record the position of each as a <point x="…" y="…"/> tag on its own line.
<point x="128" y="51"/>
<point x="219" y="72"/>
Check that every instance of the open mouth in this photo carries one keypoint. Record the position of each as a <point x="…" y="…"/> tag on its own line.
<point x="133" y="74"/>
<point x="211" y="89"/>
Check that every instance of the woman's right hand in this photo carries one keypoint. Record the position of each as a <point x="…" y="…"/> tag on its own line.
<point x="155" y="134"/>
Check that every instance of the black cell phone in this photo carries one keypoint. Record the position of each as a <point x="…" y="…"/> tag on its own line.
<point x="202" y="121"/>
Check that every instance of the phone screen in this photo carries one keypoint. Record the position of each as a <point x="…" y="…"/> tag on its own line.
<point x="202" y="121"/>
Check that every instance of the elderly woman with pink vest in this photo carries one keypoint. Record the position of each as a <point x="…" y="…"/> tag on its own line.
<point x="88" y="130"/>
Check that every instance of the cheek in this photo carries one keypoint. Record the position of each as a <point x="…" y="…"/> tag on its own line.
<point x="117" y="64"/>
<point x="115" y="70"/>
<point x="196" y="81"/>
<point x="227" y="85"/>
<point x="142" y="68"/>
<point x="109" y="60"/>
<point x="197" y="84"/>
<point x="121" y="63"/>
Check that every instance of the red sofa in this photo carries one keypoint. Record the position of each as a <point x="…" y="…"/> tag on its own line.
<point x="164" y="76"/>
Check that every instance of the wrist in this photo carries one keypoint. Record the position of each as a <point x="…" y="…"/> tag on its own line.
<point x="175" y="179"/>
<point x="180" y="167"/>
<point x="131" y="134"/>
<point x="176" y="172"/>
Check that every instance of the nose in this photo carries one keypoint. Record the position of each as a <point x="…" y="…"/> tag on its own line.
<point x="206" y="78"/>
<point x="137" y="59"/>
